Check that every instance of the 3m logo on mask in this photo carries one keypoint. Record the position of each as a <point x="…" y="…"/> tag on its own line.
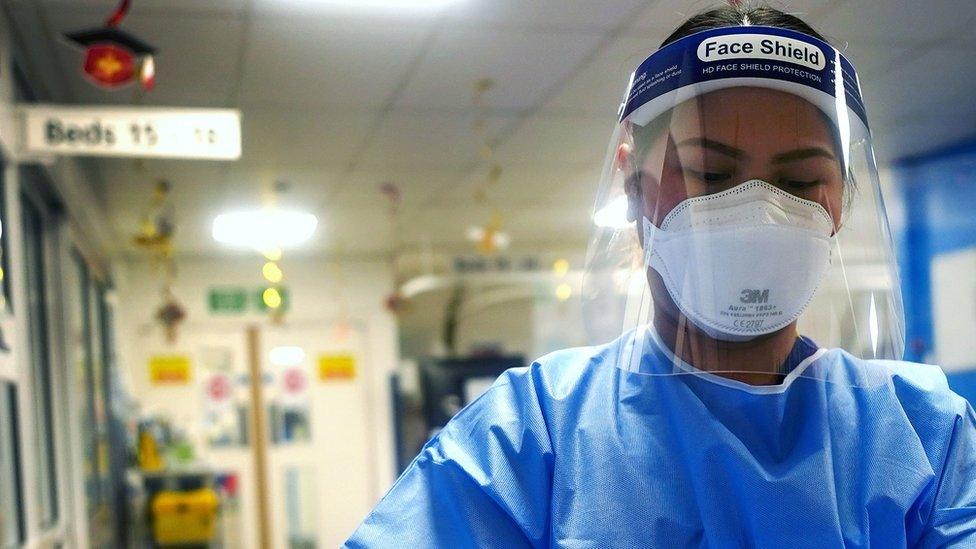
<point x="754" y="296"/>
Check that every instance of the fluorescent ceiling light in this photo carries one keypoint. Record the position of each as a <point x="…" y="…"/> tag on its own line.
<point x="264" y="229"/>
<point x="613" y="215"/>
<point x="406" y="4"/>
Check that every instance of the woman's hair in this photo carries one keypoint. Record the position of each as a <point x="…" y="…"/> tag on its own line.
<point x="736" y="14"/>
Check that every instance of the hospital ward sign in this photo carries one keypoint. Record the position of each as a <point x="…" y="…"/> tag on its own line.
<point x="213" y="134"/>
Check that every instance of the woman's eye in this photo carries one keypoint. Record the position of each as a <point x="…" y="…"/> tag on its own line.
<point x="709" y="177"/>
<point x="799" y="185"/>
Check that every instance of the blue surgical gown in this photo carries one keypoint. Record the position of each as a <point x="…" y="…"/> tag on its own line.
<point x="574" y="452"/>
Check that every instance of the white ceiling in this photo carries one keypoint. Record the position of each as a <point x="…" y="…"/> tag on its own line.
<point x="338" y="101"/>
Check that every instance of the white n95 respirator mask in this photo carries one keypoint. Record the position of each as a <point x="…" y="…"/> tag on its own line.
<point x="743" y="262"/>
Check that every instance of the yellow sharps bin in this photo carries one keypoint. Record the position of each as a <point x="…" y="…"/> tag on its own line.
<point x="185" y="517"/>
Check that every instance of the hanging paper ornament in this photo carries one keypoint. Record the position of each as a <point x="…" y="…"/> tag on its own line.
<point x="113" y="57"/>
<point x="157" y="226"/>
<point x="495" y="173"/>
<point x="170" y="314"/>
<point x="490" y="238"/>
<point x="392" y="192"/>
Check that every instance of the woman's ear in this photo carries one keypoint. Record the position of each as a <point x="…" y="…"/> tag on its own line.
<point x="624" y="155"/>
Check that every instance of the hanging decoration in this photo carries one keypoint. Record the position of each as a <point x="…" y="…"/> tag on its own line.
<point x="113" y="57"/>
<point x="154" y="237"/>
<point x="395" y="302"/>
<point x="170" y="314"/>
<point x="489" y="237"/>
<point x="157" y="226"/>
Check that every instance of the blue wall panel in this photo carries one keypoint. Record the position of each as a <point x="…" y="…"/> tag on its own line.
<point x="939" y="194"/>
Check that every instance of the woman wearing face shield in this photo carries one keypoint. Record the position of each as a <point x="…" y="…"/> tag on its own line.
<point x="744" y="388"/>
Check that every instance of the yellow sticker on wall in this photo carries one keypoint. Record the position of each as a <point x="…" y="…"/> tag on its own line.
<point x="337" y="366"/>
<point x="169" y="369"/>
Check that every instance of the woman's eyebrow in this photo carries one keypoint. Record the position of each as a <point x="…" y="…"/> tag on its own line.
<point x="716" y="146"/>
<point x="801" y="154"/>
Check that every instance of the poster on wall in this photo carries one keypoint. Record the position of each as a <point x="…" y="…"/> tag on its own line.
<point x="169" y="369"/>
<point x="293" y="388"/>
<point x="338" y="366"/>
<point x="218" y="392"/>
<point x="223" y="388"/>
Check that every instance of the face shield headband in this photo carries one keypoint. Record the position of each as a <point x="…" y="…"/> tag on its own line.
<point x="764" y="57"/>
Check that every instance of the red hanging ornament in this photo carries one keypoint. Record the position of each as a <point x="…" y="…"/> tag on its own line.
<point x="112" y="56"/>
<point x="109" y="65"/>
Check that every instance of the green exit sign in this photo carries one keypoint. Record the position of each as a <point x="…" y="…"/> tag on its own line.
<point x="233" y="300"/>
<point x="227" y="300"/>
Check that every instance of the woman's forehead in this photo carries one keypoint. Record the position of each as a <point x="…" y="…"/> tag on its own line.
<point x="744" y="115"/>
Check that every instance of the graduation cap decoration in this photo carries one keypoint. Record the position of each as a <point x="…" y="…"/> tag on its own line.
<point x="113" y="57"/>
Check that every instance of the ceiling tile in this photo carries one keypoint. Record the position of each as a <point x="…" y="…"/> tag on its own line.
<point x="460" y="193"/>
<point x="557" y="141"/>
<point x="553" y="14"/>
<point x="430" y="140"/>
<point x="523" y="65"/>
<point x="321" y="61"/>
<point x="361" y="189"/>
<point x="361" y="231"/>
<point x="381" y="13"/>
<point x="873" y="61"/>
<point x="895" y="23"/>
<point x="666" y="15"/>
<point x="303" y="137"/>
<point x="525" y="187"/>
<point x="598" y="87"/>
<point x="929" y="84"/>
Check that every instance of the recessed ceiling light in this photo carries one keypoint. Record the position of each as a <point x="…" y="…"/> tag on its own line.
<point x="265" y="229"/>
<point x="407" y="4"/>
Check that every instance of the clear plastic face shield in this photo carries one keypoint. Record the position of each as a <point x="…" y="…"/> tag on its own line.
<point x="740" y="209"/>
